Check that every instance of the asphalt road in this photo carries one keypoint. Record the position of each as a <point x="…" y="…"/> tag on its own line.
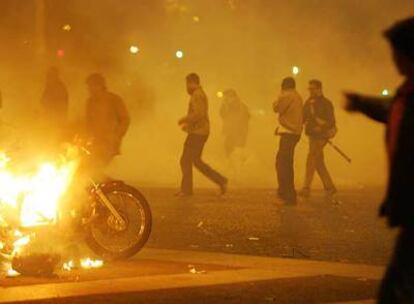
<point x="254" y="222"/>
<point x="250" y="222"/>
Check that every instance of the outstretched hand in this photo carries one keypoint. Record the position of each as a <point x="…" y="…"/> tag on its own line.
<point x="182" y="121"/>
<point x="351" y="101"/>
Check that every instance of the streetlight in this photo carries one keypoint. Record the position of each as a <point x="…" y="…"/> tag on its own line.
<point x="67" y="27"/>
<point x="179" y="54"/>
<point x="385" y="92"/>
<point x="295" y="70"/>
<point x="133" y="49"/>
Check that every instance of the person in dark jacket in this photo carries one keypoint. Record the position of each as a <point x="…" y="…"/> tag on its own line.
<point x="398" y="207"/>
<point x="319" y="120"/>
<point x="107" y="120"/>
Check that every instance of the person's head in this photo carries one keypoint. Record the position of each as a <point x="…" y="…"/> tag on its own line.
<point x="315" y="88"/>
<point x="96" y="84"/>
<point x="230" y="95"/>
<point x="401" y="38"/>
<point x="288" y="83"/>
<point x="52" y="74"/>
<point x="193" y="82"/>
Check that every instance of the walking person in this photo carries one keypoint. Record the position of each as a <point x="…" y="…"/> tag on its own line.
<point x="398" y="208"/>
<point x="289" y="107"/>
<point x="320" y="126"/>
<point x="235" y="115"/>
<point x="197" y="125"/>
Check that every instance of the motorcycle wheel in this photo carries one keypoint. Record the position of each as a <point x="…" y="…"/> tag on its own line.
<point x="111" y="243"/>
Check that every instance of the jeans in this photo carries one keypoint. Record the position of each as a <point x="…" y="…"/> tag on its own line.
<point x="193" y="150"/>
<point x="285" y="166"/>
<point x="316" y="162"/>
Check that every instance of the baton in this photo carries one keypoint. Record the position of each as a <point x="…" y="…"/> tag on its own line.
<point x="342" y="153"/>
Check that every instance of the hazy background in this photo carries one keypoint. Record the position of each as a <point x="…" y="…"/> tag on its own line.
<point x="248" y="45"/>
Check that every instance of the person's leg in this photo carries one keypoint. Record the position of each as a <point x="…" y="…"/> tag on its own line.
<point x="280" y="166"/>
<point x="187" y="166"/>
<point x="322" y="169"/>
<point x="205" y="169"/>
<point x="229" y="146"/>
<point x="310" y="167"/>
<point x="292" y="141"/>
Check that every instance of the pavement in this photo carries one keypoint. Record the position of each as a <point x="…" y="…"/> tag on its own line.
<point x="245" y="247"/>
<point x="174" y="276"/>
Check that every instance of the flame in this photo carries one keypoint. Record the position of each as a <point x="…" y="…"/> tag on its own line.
<point x="36" y="197"/>
<point x="88" y="263"/>
<point x="11" y="273"/>
<point x="68" y="266"/>
<point x="22" y="242"/>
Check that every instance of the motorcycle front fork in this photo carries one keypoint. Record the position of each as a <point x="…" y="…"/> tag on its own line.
<point x="118" y="222"/>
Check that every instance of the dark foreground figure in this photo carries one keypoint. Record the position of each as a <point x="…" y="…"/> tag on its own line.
<point x="398" y="208"/>
<point x="197" y="125"/>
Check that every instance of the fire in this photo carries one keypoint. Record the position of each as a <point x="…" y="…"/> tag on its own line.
<point x="36" y="196"/>
<point x="68" y="266"/>
<point x="88" y="263"/>
<point x="11" y="273"/>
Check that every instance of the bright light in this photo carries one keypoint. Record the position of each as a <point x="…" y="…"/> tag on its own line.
<point x="295" y="70"/>
<point x="220" y="94"/>
<point x="88" y="263"/>
<point x="196" y="19"/>
<point x="36" y="196"/>
<point x="385" y="92"/>
<point x="60" y="53"/>
<point x="11" y="273"/>
<point x="68" y="266"/>
<point x="179" y="54"/>
<point x="67" y="27"/>
<point x="133" y="49"/>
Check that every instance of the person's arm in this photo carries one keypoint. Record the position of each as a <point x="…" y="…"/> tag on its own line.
<point x="375" y="108"/>
<point x="224" y="109"/>
<point x="280" y="105"/>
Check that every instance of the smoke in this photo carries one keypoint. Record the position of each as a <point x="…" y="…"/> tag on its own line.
<point x="246" y="45"/>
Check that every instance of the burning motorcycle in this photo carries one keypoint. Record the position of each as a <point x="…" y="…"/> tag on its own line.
<point x="114" y="218"/>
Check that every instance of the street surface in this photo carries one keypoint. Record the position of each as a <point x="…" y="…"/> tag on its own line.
<point x="244" y="248"/>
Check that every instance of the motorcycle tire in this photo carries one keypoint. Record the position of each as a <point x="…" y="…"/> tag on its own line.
<point x="109" y="243"/>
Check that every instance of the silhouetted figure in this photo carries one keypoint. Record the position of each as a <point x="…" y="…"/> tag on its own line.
<point x="320" y="126"/>
<point x="107" y="120"/>
<point x="289" y="106"/>
<point x="55" y="100"/>
<point x="197" y="125"/>
<point x="398" y="115"/>
<point x="235" y="115"/>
